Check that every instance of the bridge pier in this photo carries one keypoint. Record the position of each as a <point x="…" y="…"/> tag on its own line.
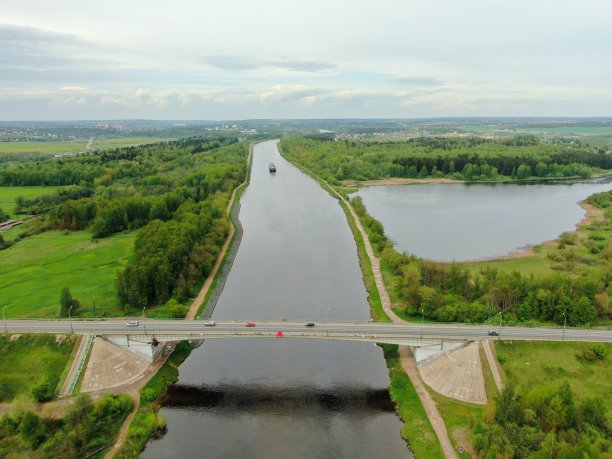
<point x="140" y="345"/>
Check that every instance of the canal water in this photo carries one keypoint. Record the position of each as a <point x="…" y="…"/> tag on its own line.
<point x="460" y="222"/>
<point x="250" y="398"/>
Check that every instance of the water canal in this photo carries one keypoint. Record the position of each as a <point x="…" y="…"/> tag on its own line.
<point x="282" y="398"/>
<point x="446" y="222"/>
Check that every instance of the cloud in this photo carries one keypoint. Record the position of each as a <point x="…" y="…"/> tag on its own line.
<point x="35" y="55"/>
<point x="240" y="62"/>
<point x="418" y="81"/>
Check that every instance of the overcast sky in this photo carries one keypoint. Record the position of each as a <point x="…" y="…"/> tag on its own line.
<point x="238" y="59"/>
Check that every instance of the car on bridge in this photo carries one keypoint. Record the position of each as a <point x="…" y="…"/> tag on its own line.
<point x="310" y="324"/>
<point x="133" y="323"/>
<point x="209" y="323"/>
<point x="493" y="333"/>
<point x="249" y="324"/>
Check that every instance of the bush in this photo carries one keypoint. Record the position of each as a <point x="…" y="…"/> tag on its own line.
<point x="44" y="390"/>
<point x="595" y="352"/>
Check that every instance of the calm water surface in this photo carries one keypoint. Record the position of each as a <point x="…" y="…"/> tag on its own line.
<point x="460" y="222"/>
<point x="285" y="398"/>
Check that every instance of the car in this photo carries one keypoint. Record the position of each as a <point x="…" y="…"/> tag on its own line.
<point x="493" y="333"/>
<point x="209" y="323"/>
<point x="133" y="323"/>
<point x="249" y="324"/>
<point x="309" y="324"/>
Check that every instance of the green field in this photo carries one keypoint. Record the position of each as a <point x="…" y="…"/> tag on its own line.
<point x="9" y="148"/>
<point x="9" y="193"/>
<point x="126" y="142"/>
<point x="28" y="358"/>
<point x="34" y="271"/>
<point x="530" y="363"/>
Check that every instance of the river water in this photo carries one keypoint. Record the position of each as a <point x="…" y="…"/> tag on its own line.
<point x="250" y="398"/>
<point x="446" y="222"/>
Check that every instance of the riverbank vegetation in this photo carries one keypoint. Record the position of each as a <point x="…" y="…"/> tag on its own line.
<point x="148" y="422"/>
<point x="33" y="365"/>
<point x="471" y="159"/>
<point x="86" y="428"/>
<point x="556" y="403"/>
<point x="174" y="193"/>
<point x="575" y="291"/>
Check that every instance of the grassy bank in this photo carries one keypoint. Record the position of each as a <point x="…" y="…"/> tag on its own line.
<point x="417" y="430"/>
<point x="34" y="271"/>
<point x="25" y="360"/>
<point x="148" y="422"/>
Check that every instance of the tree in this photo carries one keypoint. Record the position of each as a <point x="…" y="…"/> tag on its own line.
<point x="66" y="302"/>
<point x="44" y="389"/>
<point x="3" y="215"/>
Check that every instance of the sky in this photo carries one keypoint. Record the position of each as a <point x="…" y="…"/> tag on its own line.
<point x="237" y="59"/>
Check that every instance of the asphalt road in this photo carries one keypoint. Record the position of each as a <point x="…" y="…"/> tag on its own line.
<point x="340" y="329"/>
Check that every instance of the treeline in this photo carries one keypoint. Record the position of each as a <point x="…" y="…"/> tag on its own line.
<point x="136" y="162"/>
<point x="471" y="159"/>
<point x="85" y="429"/>
<point x="450" y="292"/>
<point x="544" y="422"/>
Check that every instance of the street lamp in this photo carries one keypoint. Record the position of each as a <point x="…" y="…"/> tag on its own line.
<point x="422" y="320"/>
<point x="501" y="321"/>
<point x="143" y="311"/>
<point x="328" y="314"/>
<point x="4" y="317"/>
<point x="564" y="321"/>
<point x="70" y="319"/>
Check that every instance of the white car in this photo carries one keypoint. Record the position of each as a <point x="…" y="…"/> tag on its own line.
<point x="133" y="323"/>
<point x="209" y="323"/>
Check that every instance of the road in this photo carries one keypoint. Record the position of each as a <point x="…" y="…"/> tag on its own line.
<point x="371" y="331"/>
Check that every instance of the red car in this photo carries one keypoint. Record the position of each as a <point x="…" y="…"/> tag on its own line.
<point x="250" y="324"/>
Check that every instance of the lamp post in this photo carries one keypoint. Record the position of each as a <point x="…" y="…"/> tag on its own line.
<point x="4" y="318"/>
<point x="501" y="321"/>
<point x="70" y="318"/>
<point x="143" y="311"/>
<point x="422" y="320"/>
<point x="564" y="321"/>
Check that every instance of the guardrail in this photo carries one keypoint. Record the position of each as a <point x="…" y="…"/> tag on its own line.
<point x="82" y="358"/>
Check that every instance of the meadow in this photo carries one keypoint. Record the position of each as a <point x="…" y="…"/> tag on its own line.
<point x="34" y="271"/>
<point x="9" y="193"/>
<point x="26" y="359"/>
<point x="530" y="363"/>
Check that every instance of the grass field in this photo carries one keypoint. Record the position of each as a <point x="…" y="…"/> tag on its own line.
<point x="34" y="271"/>
<point x="9" y="193"/>
<point x="9" y="148"/>
<point x="126" y="141"/>
<point x="528" y="363"/>
<point x="28" y="358"/>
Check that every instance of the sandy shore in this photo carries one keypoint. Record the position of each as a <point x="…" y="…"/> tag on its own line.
<point x="591" y="212"/>
<point x="399" y="181"/>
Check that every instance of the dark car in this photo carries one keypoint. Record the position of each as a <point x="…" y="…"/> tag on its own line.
<point x="310" y="324"/>
<point x="493" y="333"/>
<point x="249" y="324"/>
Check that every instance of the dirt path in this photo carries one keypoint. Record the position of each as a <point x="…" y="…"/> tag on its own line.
<point x="486" y="344"/>
<point x="409" y="366"/>
<point x="126" y="425"/>
<point x="197" y="302"/>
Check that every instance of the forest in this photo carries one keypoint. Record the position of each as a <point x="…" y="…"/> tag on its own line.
<point x="470" y="159"/>
<point x="175" y="192"/>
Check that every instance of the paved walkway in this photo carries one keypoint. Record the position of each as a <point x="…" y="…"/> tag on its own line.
<point x="457" y="374"/>
<point x="486" y="344"/>
<point x="111" y="366"/>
